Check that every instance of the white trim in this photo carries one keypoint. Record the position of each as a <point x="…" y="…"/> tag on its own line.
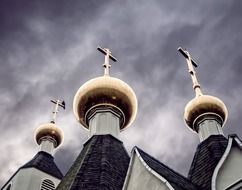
<point x="238" y="141"/>
<point x="220" y="163"/>
<point x="234" y="185"/>
<point x="147" y="167"/>
<point x="129" y="171"/>
<point x="10" y="182"/>
<point x="11" y="185"/>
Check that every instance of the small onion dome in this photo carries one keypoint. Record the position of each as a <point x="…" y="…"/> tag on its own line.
<point x="202" y="105"/>
<point x="49" y="130"/>
<point x="107" y="91"/>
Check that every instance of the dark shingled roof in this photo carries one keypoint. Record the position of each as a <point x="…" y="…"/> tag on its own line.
<point x="102" y="164"/>
<point x="177" y="181"/>
<point x="44" y="162"/>
<point x="206" y="158"/>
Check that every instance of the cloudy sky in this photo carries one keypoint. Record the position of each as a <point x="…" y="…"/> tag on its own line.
<point x="48" y="50"/>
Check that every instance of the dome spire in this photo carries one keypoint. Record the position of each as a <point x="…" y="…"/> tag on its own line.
<point x="57" y="103"/>
<point x="204" y="114"/>
<point x="191" y="64"/>
<point x="108" y="56"/>
<point x="49" y="135"/>
<point x="105" y="105"/>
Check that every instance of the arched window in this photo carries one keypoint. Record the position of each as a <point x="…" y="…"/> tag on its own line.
<point x="9" y="187"/>
<point x="47" y="185"/>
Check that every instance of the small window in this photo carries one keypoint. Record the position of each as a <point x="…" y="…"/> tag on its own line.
<point x="47" y="185"/>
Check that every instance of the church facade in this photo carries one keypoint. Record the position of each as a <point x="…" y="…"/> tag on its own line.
<point x="105" y="106"/>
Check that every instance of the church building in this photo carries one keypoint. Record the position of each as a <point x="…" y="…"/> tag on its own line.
<point x="106" y="106"/>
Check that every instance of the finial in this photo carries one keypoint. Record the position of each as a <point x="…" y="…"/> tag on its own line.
<point x="56" y="106"/>
<point x="191" y="64"/>
<point x="108" y="55"/>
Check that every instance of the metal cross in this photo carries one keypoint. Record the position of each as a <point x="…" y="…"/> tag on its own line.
<point x="191" y="63"/>
<point x="56" y="106"/>
<point x="108" y="55"/>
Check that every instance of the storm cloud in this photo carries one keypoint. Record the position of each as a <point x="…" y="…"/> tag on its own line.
<point x="48" y="50"/>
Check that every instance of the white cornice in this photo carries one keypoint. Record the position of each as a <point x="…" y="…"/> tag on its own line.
<point x="224" y="157"/>
<point x="154" y="173"/>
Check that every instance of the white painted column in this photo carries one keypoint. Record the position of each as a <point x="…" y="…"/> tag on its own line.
<point x="47" y="145"/>
<point x="209" y="125"/>
<point x="104" y="121"/>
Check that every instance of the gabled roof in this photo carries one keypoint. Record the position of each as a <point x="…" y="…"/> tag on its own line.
<point x="102" y="164"/>
<point x="44" y="162"/>
<point x="206" y="158"/>
<point x="175" y="179"/>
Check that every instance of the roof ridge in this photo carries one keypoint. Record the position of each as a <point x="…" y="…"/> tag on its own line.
<point x="206" y="157"/>
<point x="102" y="163"/>
<point x="200" y="146"/>
<point x="72" y="172"/>
<point x="172" y="170"/>
<point x="38" y="162"/>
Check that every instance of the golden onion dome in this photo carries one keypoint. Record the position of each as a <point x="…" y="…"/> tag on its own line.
<point x="204" y="104"/>
<point x="49" y="130"/>
<point x="107" y="91"/>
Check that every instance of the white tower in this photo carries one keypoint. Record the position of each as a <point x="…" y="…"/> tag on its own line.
<point x="41" y="173"/>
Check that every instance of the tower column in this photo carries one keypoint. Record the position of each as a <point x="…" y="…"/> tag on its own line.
<point x="105" y="120"/>
<point x="207" y="125"/>
<point x="47" y="145"/>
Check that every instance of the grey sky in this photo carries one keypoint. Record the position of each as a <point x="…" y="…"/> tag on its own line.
<point x="48" y="50"/>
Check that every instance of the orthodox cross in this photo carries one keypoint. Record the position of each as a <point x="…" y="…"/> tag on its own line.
<point x="108" y="56"/>
<point x="191" y="64"/>
<point x="57" y="103"/>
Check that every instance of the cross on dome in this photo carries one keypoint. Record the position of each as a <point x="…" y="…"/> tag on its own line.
<point x="191" y="64"/>
<point x="108" y="56"/>
<point x="57" y="103"/>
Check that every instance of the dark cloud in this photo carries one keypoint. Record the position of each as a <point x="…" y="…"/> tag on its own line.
<point x="47" y="50"/>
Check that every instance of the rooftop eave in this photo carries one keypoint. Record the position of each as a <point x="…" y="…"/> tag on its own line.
<point x="231" y="139"/>
<point x="135" y="152"/>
